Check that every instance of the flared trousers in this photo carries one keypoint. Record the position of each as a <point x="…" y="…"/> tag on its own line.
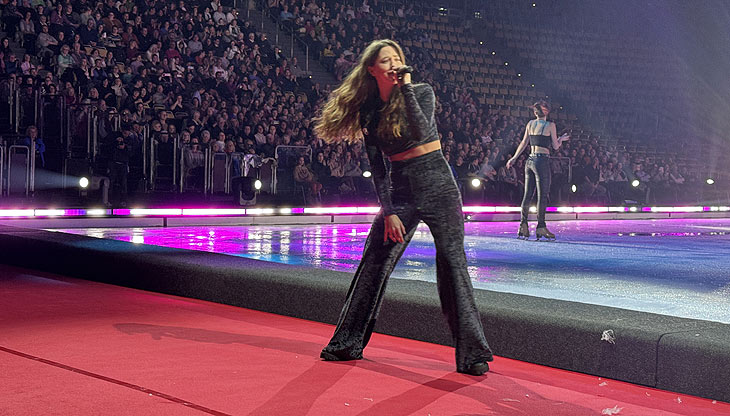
<point x="423" y="190"/>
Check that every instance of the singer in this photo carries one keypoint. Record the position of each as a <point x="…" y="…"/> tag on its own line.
<point x="378" y="103"/>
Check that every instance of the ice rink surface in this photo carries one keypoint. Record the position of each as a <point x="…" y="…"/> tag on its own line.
<point x="678" y="267"/>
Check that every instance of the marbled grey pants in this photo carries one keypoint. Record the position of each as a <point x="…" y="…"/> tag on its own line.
<point x="423" y="189"/>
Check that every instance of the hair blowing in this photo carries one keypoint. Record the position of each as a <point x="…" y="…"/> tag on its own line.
<point x="340" y="116"/>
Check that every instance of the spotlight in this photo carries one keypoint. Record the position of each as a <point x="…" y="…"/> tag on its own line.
<point x="257" y="184"/>
<point x="367" y="174"/>
<point x="573" y="188"/>
<point x="84" y="182"/>
<point x="710" y="181"/>
<point x="635" y="183"/>
<point x="475" y="183"/>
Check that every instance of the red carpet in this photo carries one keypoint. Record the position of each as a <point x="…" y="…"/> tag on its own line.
<point x="72" y="347"/>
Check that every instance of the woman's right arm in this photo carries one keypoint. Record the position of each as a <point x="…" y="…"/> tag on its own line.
<point x="519" y="150"/>
<point x="381" y="177"/>
<point x="393" y="227"/>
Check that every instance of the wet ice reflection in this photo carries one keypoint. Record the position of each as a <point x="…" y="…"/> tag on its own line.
<point x="676" y="267"/>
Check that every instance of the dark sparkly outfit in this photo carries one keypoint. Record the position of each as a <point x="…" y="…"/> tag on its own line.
<point x="423" y="188"/>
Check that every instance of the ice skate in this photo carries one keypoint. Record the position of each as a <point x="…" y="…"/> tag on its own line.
<point x="543" y="232"/>
<point x="524" y="232"/>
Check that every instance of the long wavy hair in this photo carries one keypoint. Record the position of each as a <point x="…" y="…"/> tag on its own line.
<point x="339" y="118"/>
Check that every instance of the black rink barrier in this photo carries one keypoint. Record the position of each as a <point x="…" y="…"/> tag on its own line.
<point x="682" y="355"/>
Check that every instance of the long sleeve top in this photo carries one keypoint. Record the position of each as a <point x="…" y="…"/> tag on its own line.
<point x="420" y="128"/>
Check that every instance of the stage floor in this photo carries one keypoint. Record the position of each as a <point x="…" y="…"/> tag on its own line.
<point x="676" y="267"/>
<point x="144" y="353"/>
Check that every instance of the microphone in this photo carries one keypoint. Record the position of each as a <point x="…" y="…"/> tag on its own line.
<point x="405" y="69"/>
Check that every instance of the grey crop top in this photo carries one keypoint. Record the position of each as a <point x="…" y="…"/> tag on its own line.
<point x="540" y="139"/>
<point x="420" y="128"/>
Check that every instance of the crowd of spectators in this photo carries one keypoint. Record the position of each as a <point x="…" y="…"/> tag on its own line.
<point x="477" y="140"/>
<point x="198" y="76"/>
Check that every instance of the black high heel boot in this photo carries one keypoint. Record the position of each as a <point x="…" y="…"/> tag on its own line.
<point x="341" y="355"/>
<point x="524" y="231"/>
<point x="476" y="369"/>
<point x="544" y="232"/>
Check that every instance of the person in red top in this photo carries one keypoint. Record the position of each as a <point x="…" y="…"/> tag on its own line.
<point x="378" y="103"/>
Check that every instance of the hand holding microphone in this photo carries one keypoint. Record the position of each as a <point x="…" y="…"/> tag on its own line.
<point x="404" y="74"/>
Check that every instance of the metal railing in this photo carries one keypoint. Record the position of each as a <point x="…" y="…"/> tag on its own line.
<point x="154" y="165"/>
<point x="28" y="111"/>
<point x="29" y="157"/>
<point x="145" y="153"/>
<point x="46" y="101"/>
<point x="8" y="92"/>
<point x="265" y="13"/>
<point x="2" y="169"/>
<point x="246" y="164"/>
<point x="271" y="180"/>
<point x="214" y="185"/>
<point x="283" y="155"/>
<point x="75" y="115"/>
<point x="570" y="165"/>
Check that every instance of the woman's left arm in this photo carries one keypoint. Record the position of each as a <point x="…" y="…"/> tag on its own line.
<point x="557" y="141"/>
<point x="420" y="106"/>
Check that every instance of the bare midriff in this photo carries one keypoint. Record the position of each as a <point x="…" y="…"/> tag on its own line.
<point x="539" y="149"/>
<point x="416" y="151"/>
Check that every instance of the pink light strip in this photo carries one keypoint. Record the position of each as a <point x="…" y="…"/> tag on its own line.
<point x="203" y="212"/>
<point x="590" y="209"/>
<point x="331" y="210"/>
<point x="16" y="213"/>
<point x="52" y="212"/>
<point x="477" y="209"/>
<point x="472" y="209"/>
<point x="260" y="211"/>
<point x="368" y="210"/>
<point x="507" y="209"/>
<point x="138" y="212"/>
<point x="677" y="209"/>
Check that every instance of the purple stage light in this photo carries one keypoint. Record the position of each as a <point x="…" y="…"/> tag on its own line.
<point x="204" y="212"/>
<point x="590" y="209"/>
<point x="477" y="209"/>
<point x="347" y="210"/>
